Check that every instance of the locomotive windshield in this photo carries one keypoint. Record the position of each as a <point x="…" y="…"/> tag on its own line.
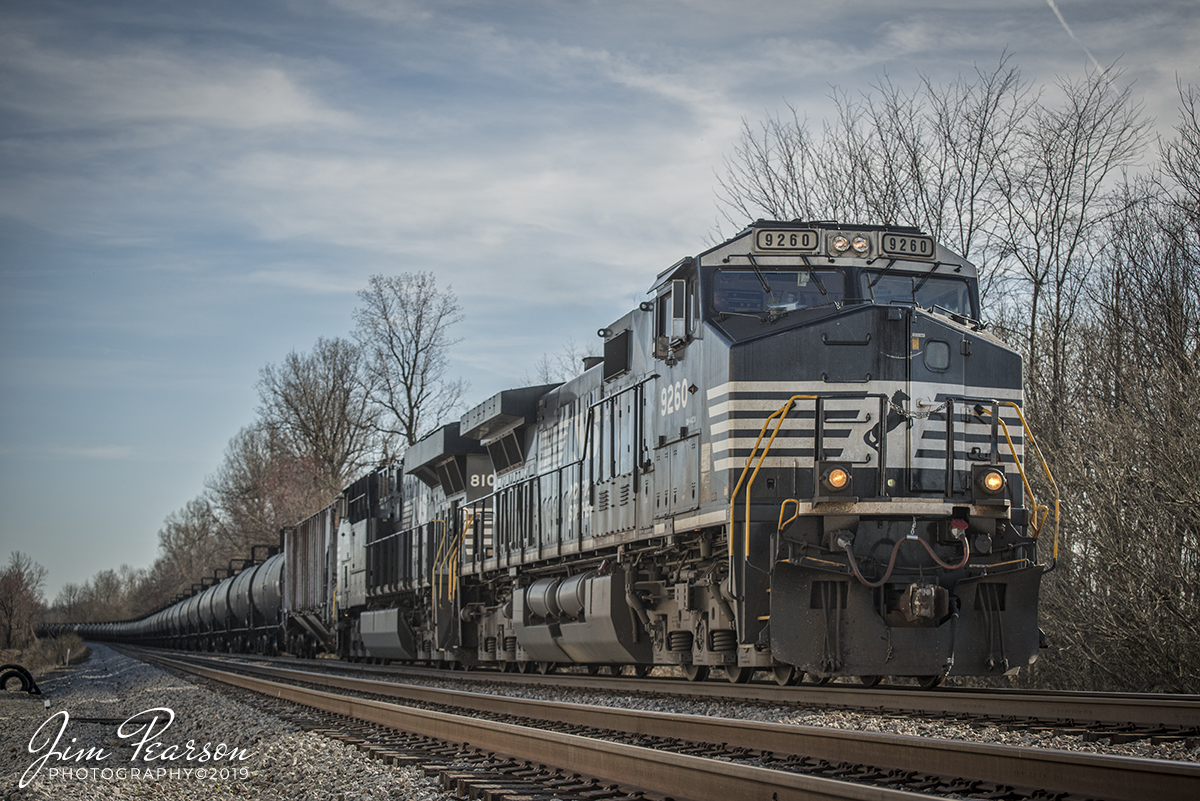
<point x="945" y="294"/>
<point x="743" y="291"/>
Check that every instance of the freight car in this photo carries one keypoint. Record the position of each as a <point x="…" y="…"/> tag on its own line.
<point x="803" y="453"/>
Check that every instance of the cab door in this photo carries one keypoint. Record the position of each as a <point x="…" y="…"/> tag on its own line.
<point x="938" y="404"/>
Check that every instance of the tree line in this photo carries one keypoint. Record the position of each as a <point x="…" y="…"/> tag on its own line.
<point x="1086" y="230"/>
<point x="324" y="416"/>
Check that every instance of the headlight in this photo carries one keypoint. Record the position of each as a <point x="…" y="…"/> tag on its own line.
<point x="860" y="245"/>
<point x="840" y="243"/>
<point x="991" y="481"/>
<point x="835" y="479"/>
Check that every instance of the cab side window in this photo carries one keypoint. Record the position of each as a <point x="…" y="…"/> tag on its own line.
<point x="674" y="315"/>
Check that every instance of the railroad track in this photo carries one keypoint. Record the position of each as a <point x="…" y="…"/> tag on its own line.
<point x="1118" y="717"/>
<point x="621" y="752"/>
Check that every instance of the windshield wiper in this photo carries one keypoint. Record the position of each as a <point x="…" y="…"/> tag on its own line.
<point x="891" y="263"/>
<point x="928" y="275"/>
<point x="958" y="317"/>
<point x="762" y="279"/>
<point x="816" y="279"/>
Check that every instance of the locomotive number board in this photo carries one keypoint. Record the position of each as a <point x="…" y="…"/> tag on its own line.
<point x="803" y="240"/>
<point x="920" y="247"/>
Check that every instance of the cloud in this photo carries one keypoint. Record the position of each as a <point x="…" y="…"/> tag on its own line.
<point x="69" y="453"/>
<point x="121" y="83"/>
<point x="405" y="11"/>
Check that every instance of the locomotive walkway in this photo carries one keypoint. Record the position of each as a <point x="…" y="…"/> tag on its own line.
<point x="695" y="757"/>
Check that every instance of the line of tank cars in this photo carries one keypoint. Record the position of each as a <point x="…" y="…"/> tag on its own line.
<point x="802" y="454"/>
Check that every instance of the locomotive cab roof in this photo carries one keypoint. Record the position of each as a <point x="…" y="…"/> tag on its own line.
<point x="803" y="270"/>
<point x="824" y="242"/>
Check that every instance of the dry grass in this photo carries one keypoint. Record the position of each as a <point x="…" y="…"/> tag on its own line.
<point x="49" y="653"/>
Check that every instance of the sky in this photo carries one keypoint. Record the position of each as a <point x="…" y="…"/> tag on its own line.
<point x="188" y="192"/>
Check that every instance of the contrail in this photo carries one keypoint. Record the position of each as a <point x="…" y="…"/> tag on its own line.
<point x="1071" y="33"/>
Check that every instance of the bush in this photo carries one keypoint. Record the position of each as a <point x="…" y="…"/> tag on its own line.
<point x="48" y="653"/>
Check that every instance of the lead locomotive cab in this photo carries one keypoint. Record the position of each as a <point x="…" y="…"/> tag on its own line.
<point x="882" y="524"/>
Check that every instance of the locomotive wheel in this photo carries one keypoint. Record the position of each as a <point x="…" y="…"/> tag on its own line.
<point x="930" y="682"/>
<point x="786" y="674"/>
<point x="593" y="670"/>
<point x="695" y="672"/>
<point x="870" y="681"/>
<point x="737" y="674"/>
<point x="546" y="667"/>
<point x="525" y="667"/>
<point x="642" y="671"/>
<point x="614" y="670"/>
<point x="819" y="680"/>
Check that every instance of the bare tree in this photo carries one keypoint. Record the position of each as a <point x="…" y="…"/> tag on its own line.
<point x="189" y="545"/>
<point x="925" y="157"/>
<point x="404" y="330"/>
<point x="21" y="600"/>
<point x="70" y="604"/>
<point x="563" y="365"/>
<point x="316" y="405"/>
<point x="262" y="486"/>
<point x="1181" y="158"/>
<point x="778" y="169"/>
<point x="1055" y="196"/>
<point x="971" y="127"/>
<point x="106" y="596"/>
<point x="1123" y="607"/>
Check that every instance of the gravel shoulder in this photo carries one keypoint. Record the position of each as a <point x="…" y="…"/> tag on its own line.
<point x="276" y="760"/>
<point x="273" y="758"/>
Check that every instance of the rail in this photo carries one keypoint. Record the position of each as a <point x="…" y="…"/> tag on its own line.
<point x="1123" y="711"/>
<point x="1089" y="775"/>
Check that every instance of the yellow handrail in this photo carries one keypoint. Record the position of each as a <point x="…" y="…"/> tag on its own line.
<point x="1037" y="521"/>
<point x="1040" y="513"/>
<point x="437" y="562"/>
<point x="453" y="557"/>
<point x="783" y="506"/>
<point x="781" y="413"/>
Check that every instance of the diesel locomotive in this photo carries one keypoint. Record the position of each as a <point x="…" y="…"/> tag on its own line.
<point x="802" y="454"/>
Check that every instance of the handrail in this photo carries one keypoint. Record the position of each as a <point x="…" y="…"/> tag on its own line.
<point x="781" y="413"/>
<point x="782" y="506"/>
<point x="1040" y="513"/>
<point x="1037" y="522"/>
<point x="453" y="557"/>
<point x="437" y="562"/>
<point x="534" y="481"/>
